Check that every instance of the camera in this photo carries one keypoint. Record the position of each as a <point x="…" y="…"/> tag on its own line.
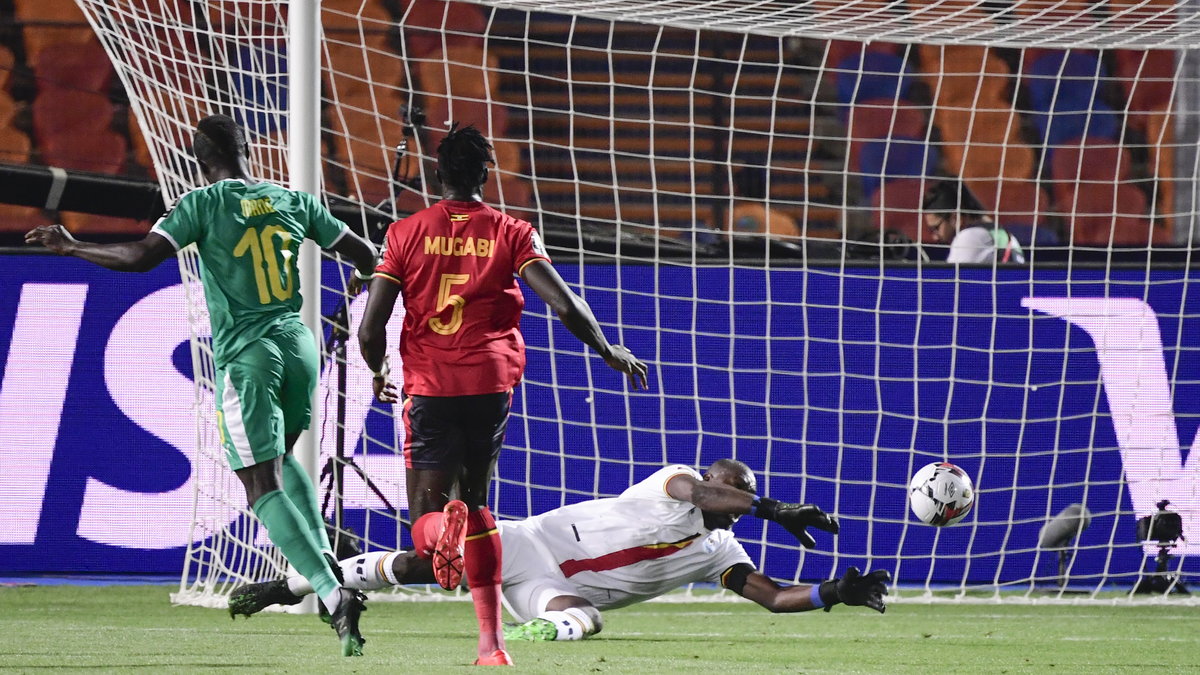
<point x="1163" y="526"/>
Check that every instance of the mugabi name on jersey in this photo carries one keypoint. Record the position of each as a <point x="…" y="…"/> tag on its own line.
<point x="439" y="245"/>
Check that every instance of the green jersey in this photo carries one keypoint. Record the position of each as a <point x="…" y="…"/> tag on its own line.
<point x="248" y="237"/>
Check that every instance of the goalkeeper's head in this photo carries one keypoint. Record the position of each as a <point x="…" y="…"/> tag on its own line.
<point x="463" y="159"/>
<point x="735" y="474"/>
<point x="220" y="146"/>
<point x="949" y="206"/>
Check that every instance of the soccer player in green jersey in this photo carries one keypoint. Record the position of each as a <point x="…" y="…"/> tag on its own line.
<point x="248" y="235"/>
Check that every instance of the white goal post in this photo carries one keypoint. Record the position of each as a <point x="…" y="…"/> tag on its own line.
<point x="735" y="186"/>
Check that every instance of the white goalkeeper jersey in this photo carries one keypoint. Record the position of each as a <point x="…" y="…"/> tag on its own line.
<point x="642" y="544"/>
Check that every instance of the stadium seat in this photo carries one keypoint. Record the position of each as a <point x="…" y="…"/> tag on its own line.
<point x="8" y="109"/>
<point x="895" y="158"/>
<point x="1104" y="214"/>
<point x="344" y="20"/>
<point x="58" y="111"/>
<point x="260" y="85"/>
<point x="1090" y="159"/>
<point x="463" y="71"/>
<point x="20" y="219"/>
<point x="47" y="24"/>
<point x="1147" y="77"/>
<point x="85" y="67"/>
<point x="873" y="75"/>
<point x="1059" y="13"/>
<point x="1013" y="202"/>
<point x="98" y="151"/>
<point x="90" y="224"/>
<point x="1060" y="126"/>
<point x="1062" y="75"/>
<point x="841" y="50"/>
<point x="15" y="147"/>
<point x="428" y="24"/>
<point x="8" y="62"/>
<point x="881" y="118"/>
<point x="1144" y="14"/>
<point x="355" y="68"/>
<point x="897" y="206"/>
<point x="965" y="76"/>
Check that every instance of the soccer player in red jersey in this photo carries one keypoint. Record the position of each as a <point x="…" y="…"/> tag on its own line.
<point x="462" y="354"/>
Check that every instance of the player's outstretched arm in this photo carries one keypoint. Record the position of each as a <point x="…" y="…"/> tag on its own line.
<point x="134" y="256"/>
<point x="577" y="316"/>
<point x="718" y="497"/>
<point x="362" y="253"/>
<point x="372" y="335"/>
<point x="853" y="589"/>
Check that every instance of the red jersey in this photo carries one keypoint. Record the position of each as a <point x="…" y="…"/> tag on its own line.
<point x="456" y="264"/>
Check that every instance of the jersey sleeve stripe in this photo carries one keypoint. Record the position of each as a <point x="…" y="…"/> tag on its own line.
<point x="163" y="233"/>
<point x="389" y="277"/>
<point x="343" y="233"/>
<point x="527" y="263"/>
<point x="668" y="482"/>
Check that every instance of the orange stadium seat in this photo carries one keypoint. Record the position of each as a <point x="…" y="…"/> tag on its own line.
<point x="50" y="24"/>
<point x="8" y="109"/>
<point x="91" y="224"/>
<point x="1058" y="13"/>
<point x="354" y="68"/>
<point x="20" y="219"/>
<point x="15" y="147"/>
<point x="8" y="62"/>
<point x="98" y="151"/>
<point x="1146" y="14"/>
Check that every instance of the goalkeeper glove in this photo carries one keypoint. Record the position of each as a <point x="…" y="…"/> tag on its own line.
<point x="795" y="517"/>
<point x="854" y="589"/>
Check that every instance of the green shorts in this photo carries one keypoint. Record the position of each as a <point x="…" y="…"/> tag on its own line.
<point x="265" y="394"/>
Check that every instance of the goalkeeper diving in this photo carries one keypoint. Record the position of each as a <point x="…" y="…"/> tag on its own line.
<point x="564" y="567"/>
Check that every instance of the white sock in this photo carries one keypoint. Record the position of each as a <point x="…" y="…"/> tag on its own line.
<point x="572" y="623"/>
<point x="370" y="571"/>
<point x="299" y="586"/>
<point x="331" y="601"/>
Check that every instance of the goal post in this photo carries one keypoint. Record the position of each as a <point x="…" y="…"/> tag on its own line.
<point x="735" y="187"/>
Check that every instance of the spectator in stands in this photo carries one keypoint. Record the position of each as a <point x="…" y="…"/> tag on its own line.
<point x="751" y="214"/>
<point x="953" y="214"/>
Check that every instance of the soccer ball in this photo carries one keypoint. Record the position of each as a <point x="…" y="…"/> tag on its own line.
<point x="941" y="494"/>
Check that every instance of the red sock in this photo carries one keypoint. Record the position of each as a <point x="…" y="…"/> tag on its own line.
<point x="483" y="555"/>
<point x="425" y="533"/>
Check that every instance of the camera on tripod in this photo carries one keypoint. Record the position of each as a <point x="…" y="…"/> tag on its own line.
<point x="1164" y="527"/>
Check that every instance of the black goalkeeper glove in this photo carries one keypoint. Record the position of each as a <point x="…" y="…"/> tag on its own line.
<point x="854" y="589"/>
<point x="795" y="517"/>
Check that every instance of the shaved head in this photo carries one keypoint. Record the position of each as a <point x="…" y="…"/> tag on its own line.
<point x="219" y="141"/>
<point x="734" y="473"/>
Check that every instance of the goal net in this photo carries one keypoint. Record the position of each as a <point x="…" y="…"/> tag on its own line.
<point x="735" y="187"/>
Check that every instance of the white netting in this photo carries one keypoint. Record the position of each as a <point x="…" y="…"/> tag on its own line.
<point x="737" y="195"/>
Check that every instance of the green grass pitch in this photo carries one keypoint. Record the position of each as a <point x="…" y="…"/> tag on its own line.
<point x="135" y="629"/>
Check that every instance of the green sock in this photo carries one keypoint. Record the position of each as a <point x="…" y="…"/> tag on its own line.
<point x="287" y="530"/>
<point x="300" y="490"/>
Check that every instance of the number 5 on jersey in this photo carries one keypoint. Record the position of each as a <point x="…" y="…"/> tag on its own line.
<point x="447" y="299"/>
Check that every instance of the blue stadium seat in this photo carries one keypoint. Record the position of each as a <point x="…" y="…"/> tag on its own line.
<point x="873" y="75"/>
<point x="259" y="85"/>
<point x="1077" y="121"/>
<point x="1057" y="76"/>
<point x="887" y="159"/>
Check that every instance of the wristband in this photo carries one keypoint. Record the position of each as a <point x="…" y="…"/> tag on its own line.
<point x="382" y="372"/>
<point x="363" y="277"/>
<point x="765" y="507"/>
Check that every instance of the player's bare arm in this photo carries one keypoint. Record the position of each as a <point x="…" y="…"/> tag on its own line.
<point x="134" y="256"/>
<point x="360" y="252"/>
<point x="577" y="316"/>
<point x="372" y="335"/>
<point x="853" y="589"/>
<point x="724" y="494"/>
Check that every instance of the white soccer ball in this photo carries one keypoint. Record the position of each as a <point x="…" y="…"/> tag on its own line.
<point x="941" y="494"/>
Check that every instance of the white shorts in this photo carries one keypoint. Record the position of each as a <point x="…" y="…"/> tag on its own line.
<point x="531" y="578"/>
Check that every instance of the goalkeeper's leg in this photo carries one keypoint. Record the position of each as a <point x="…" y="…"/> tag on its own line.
<point x="367" y="572"/>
